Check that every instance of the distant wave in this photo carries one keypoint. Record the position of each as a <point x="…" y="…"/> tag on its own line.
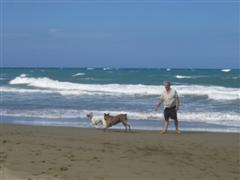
<point x="69" y="88"/>
<point x="183" y="77"/>
<point x="236" y="77"/>
<point x="107" y="68"/>
<point x="191" y="77"/>
<point x="226" y="70"/>
<point x="78" y="74"/>
<point x="218" y="118"/>
<point x="23" y="75"/>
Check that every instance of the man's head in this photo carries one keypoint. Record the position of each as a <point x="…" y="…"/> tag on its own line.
<point x="167" y="85"/>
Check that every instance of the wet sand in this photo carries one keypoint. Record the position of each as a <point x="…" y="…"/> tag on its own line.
<point x="53" y="153"/>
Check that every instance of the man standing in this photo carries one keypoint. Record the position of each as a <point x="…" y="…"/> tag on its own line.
<point x="170" y="100"/>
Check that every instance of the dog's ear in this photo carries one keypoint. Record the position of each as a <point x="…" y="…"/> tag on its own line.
<point x="89" y="114"/>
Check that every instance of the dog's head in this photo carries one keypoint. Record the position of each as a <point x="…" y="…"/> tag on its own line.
<point x="106" y="115"/>
<point x="89" y="115"/>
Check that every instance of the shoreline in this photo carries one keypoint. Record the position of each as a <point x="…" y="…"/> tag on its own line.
<point x="41" y="152"/>
<point x="121" y="128"/>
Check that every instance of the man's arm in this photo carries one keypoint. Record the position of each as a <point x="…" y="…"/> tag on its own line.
<point x="159" y="103"/>
<point x="177" y="102"/>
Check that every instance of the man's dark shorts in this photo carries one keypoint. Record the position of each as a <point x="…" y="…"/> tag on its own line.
<point x="170" y="113"/>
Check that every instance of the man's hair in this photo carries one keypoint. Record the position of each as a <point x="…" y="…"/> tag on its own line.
<point x="166" y="82"/>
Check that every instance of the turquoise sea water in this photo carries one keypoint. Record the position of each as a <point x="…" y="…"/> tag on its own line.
<point x="61" y="97"/>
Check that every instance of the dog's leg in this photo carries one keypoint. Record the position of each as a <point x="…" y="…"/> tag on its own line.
<point x="129" y="127"/>
<point x="125" y="128"/>
<point x="126" y="122"/>
<point x="106" y="127"/>
<point x="125" y="125"/>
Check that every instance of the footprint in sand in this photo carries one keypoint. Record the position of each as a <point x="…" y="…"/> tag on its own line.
<point x="63" y="169"/>
<point x="71" y="157"/>
<point x="3" y="157"/>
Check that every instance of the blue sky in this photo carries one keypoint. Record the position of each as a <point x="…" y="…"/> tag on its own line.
<point x="180" y="34"/>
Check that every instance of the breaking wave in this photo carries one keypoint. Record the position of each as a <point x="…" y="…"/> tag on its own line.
<point x="47" y="85"/>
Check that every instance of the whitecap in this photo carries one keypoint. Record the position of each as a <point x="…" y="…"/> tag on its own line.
<point x="107" y="68"/>
<point x="226" y="70"/>
<point x="183" y="77"/>
<point x="90" y="68"/>
<point x="78" y="74"/>
<point x="23" y="75"/>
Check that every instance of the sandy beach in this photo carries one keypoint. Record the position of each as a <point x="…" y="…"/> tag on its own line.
<point x="52" y="153"/>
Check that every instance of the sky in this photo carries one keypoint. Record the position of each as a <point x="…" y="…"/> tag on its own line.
<point x="120" y="33"/>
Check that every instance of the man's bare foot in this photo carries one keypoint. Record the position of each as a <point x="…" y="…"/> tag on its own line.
<point x="163" y="132"/>
<point x="178" y="131"/>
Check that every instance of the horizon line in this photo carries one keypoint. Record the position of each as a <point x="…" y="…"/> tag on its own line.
<point x="102" y="67"/>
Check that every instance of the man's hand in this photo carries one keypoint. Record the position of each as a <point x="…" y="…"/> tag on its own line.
<point x="177" y="108"/>
<point x="157" y="107"/>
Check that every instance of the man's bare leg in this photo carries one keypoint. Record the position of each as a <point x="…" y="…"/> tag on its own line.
<point x="176" y="126"/>
<point x="165" y="126"/>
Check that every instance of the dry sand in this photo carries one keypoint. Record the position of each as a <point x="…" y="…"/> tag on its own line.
<point x="42" y="153"/>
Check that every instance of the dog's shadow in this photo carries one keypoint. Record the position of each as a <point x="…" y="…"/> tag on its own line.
<point x="118" y="131"/>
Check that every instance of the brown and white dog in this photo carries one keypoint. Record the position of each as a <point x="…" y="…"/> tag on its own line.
<point x="112" y="120"/>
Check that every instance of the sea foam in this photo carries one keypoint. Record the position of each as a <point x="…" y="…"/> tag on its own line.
<point x="216" y="118"/>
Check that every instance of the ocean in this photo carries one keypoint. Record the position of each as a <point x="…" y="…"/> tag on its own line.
<point x="209" y="98"/>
